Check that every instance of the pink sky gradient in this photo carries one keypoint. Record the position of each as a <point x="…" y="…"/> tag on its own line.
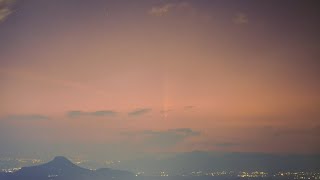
<point x="242" y="83"/>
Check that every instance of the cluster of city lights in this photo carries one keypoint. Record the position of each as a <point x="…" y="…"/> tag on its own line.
<point x="299" y="175"/>
<point x="10" y="170"/>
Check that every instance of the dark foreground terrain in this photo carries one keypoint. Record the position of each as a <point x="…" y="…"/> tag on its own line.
<point x="61" y="168"/>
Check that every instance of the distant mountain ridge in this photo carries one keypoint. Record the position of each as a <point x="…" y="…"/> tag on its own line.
<point x="60" y="168"/>
<point x="187" y="162"/>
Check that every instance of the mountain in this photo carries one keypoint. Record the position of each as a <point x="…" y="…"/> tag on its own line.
<point x="218" y="161"/>
<point x="60" y="168"/>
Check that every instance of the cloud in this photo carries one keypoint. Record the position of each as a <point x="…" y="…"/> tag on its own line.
<point x="5" y="9"/>
<point x="161" y="10"/>
<point x="188" y="107"/>
<point x="278" y="132"/>
<point x="166" y="111"/>
<point x="168" y="138"/>
<point x="164" y="9"/>
<point x="103" y="113"/>
<point x="139" y="112"/>
<point x="226" y="144"/>
<point x="29" y="117"/>
<point x="186" y="131"/>
<point x="241" y="18"/>
<point x="161" y="139"/>
<point x="311" y="131"/>
<point x="76" y="114"/>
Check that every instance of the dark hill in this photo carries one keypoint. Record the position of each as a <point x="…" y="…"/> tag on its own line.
<point x="60" y="168"/>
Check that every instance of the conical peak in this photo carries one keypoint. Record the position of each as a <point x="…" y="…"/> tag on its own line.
<point x="61" y="159"/>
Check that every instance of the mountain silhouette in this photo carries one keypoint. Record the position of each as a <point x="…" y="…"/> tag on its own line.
<point x="60" y="168"/>
<point x="60" y="161"/>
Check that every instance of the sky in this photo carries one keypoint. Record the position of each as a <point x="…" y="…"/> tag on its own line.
<point x="122" y="78"/>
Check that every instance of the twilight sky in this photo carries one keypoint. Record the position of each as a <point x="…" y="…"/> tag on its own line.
<point x="119" y="76"/>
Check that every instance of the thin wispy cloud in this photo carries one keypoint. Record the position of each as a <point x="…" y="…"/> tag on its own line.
<point x="6" y="8"/>
<point x="240" y="18"/>
<point x="101" y="113"/>
<point x="226" y="144"/>
<point x="282" y="132"/>
<point x="139" y="112"/>
<point x="164" y="138"/>
<point x="168" y="138"/>
<point x="26" y="117"/>
<point x="165" y="9"/>
<point x="166" y="111"/>
<point x="188" y="107"/>
<point x="161" y="10"/>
